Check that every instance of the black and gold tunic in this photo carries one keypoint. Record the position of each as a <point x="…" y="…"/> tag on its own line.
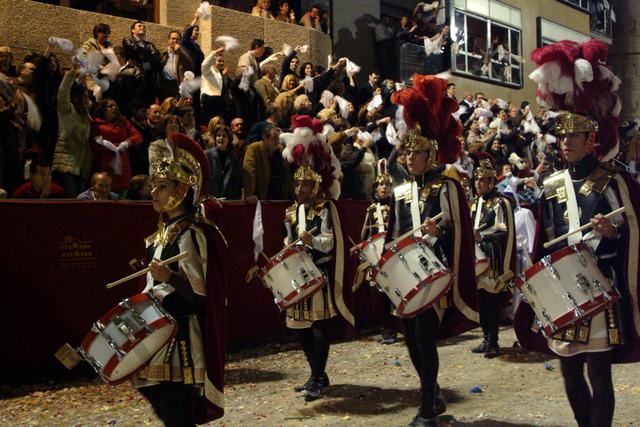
<point x="319" y="306"/>
<point x="590" y="181"/>
<point x="376" y="218"/>
<point x="497" y="228"/>
<point x="182" y="359"/>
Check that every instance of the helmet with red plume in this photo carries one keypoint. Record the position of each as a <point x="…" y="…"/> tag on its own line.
<point x="575" y="77"/>
<point x="427" y="108"/>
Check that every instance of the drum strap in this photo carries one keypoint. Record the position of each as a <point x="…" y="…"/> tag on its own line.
<point x="379" y="218"/>
<point x="302" y="219"/>
<point x="478" y="218"/>
<point x="415" y="209"/>
<point x="572" y="209"/>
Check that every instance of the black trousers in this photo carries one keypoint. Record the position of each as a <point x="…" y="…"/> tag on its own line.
<point x="315" y="344"/>
<point x="170" y="402"/>
<point x="489" y="308"/>
<point x="590" y="409"/>
<point x="420" y="337"/>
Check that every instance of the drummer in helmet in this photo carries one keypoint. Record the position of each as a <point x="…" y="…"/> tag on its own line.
<point x="583" y="193"/>
<point x="313" y="209"/>
<point x="494" y="232"/>
<point x="376" y="221"/>
<point x="184" y="380"/>
<point x="310" y="316"/>
<point x="430" y="143"/>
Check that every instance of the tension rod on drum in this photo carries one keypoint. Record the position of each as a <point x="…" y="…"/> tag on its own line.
<point x="583" y="227"/>
<point x="142" y="272"/>
<point x="409" y="233"/>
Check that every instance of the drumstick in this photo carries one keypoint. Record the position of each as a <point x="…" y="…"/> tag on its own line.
<point x="313" y="230"/>
<point x="582" y="227"/>
<point x="142" y="272"/>
<point x="409" y="233"/>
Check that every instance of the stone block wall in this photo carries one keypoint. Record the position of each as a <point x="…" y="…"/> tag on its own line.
<point x="26" y="25"/>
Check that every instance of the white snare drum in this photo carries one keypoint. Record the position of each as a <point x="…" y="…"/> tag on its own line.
<point x="127" y="337"/>
<point x="292" y="276"/>
<point x="566" y="287"/>
<point x="370" y="250"/>
<point x="482" y="262"/>
<point x="412" y="276"/>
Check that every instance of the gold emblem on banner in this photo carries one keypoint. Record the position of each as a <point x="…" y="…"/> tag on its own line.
<point x="76" y="254"/>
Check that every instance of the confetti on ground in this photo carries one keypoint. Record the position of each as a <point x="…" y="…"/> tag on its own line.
<point x="260" y="381"/>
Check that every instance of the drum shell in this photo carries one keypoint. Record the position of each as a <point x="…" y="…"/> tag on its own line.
<point x="552" y="285"/>
<point x="113" y="367"/>
<point x="278" y="276"/>
<point x="370" y="250"/>
<point x="410" y="286"/>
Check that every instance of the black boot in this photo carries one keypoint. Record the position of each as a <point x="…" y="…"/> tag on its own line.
<point x="482" y="348"/>
<point x="305" y="386"/>
<point x="420" y="421"/>
<point x="441" y="404"/>
<point x="492" y="351"/>
<point x="388" y="337"/>
<point x="324" y="380"/>
<point x="313" y="392"/>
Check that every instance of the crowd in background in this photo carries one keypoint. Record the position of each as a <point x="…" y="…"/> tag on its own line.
<point x="65" y="133"/>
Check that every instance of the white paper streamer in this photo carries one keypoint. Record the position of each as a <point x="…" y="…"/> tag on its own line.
<point x="245" y="81"/>
<point x="392" y="135"/>
<point x="374" y="103"/>
<point x="117" y="161"/>
<point x="204" y="11"/>
<point x="308" y="84"/>
<point x="352" y="67"/>
<point x="65" y="45"/>
<point x="258" y="232"/>
<point x="286" y="49"/>
<point x="228" y="42"/>
<point x="343" y="105"/>
<point x="189" y="86"/>
<point x="304" y="48"/>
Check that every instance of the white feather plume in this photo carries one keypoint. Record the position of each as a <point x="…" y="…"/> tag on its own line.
<point x="583" y="72"/>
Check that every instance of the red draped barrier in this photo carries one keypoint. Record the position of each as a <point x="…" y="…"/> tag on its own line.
<point x="57" y="258"/>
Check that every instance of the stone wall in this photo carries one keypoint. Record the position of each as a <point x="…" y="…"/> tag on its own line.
<point x="26" y="25"/>
<point x="625" y="56"/>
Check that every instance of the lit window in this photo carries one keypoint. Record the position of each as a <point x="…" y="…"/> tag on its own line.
<point x="486" y="48"/>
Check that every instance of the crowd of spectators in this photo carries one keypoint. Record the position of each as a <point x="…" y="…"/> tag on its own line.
<point x="66" y="134"/>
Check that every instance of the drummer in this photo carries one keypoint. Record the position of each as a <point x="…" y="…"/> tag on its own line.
<point x="310" y="317"/>
<point x="375" y="221"/>
<point x="184" y="380"/>
<point x="413" y="205"/>
<point x="494" y="232"/>
<point x="578" y="195"/>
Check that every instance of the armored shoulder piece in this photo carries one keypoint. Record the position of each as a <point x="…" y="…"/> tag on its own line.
<point x="291" y="214"/>
<point x="554" y="186"/>
<point x="599" y="179"/>
<point x="402" y="191"/>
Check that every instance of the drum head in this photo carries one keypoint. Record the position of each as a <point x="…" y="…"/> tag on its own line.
<point x="140" y="354"/>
